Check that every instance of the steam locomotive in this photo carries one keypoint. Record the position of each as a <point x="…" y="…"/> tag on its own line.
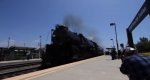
<point x="68" y="46"/>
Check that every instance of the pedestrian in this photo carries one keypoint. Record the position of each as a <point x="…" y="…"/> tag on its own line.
<point x="122" y="55"/>
<point x="113" y="54"/>
<point x="136" y="66"/>
<point x="119" y="54"/>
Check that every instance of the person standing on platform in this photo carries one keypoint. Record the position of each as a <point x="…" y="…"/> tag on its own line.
<point x="136" y="66"/>
<point x="113" y="54"/>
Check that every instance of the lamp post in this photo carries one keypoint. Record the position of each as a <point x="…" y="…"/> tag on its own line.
<point x="114" y="24"/>
<point x="113" y="42"/>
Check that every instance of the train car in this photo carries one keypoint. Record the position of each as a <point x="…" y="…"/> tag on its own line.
<point x="67" y="47"/>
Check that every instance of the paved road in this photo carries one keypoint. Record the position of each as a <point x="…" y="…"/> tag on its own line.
<point x="99" y="68"/>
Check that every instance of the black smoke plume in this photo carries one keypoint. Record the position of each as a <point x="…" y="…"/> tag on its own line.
<point x="76" y="24"/>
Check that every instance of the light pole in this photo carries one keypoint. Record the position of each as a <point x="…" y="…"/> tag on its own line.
<point x="113" y="42"/>
<point x="40" y="44"/>
<point x="114" y="24"/>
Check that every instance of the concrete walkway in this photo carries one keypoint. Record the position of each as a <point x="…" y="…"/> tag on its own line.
<point x="99" y="68"/>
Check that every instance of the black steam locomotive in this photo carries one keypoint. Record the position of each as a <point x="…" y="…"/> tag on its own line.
<point x="67" y="47"/>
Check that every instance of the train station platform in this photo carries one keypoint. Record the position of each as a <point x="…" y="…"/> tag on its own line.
<point x="98" y="68"/>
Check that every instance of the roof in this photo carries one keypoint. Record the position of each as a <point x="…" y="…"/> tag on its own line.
<point x="21" y="47"/>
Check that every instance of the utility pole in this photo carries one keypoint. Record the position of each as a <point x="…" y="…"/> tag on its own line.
<point x="40" y="46"/>
<point x="8" y="42"/>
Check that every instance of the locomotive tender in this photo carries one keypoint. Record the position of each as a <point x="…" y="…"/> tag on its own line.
<point x="67" y="47"/>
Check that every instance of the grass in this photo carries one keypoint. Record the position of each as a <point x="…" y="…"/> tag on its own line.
<point x="147" y="54"/>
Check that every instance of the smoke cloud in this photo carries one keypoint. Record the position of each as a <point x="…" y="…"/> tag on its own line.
<point x="76" y="24"/>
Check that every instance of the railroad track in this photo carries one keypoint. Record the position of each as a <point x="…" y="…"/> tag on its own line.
<point x="17" y="68"/>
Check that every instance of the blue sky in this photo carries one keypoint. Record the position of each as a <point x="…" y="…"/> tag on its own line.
<point x="25" y="20"/>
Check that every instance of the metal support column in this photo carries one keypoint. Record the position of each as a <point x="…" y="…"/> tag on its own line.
<point x="130" y="39"/>
<point x="148" y="6"/>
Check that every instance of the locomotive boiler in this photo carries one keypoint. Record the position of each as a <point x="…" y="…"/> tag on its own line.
<point x="67" y="46"/>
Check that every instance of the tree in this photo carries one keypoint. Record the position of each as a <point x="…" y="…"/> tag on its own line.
<point x="143" y="45"/>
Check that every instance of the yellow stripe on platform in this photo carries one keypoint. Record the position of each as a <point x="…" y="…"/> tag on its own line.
<point x="47" y="71"/>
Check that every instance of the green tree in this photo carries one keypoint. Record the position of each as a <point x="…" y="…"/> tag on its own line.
<point x="143" y="45"/>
